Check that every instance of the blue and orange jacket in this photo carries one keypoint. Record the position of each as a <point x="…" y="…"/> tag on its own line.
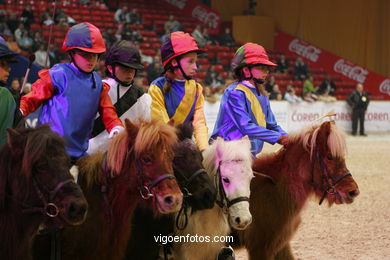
<point x="183" y="103"/>
<point x="70" y="100"/>
<point x="243" y="112"/>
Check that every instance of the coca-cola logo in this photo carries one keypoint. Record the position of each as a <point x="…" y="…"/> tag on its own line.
<point x="205" y="16"/>
<point x="349" y="70"/>
<point x="181" y="4"/>
<point x="385" y="87"/>
<point x="308" y="51"/>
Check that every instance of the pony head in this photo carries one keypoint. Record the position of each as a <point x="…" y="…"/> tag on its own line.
<point x="330" y="176"/>
<point x="36" y="176"/>
<point x="229" y="163"/>
<point x="148" y="146"/>
<point x="190" y="173"/>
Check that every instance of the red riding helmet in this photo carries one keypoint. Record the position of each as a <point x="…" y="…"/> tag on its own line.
<point x="177" y="44"/>
<point x="250" y="54"/>
<point x="85" y="37"/>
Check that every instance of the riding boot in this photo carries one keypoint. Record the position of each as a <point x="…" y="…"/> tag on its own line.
<point x="226" y="253"/>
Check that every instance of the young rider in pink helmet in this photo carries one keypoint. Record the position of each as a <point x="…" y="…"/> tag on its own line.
<point x="176" y="95"/>
<point x="72" y="93"/>
<point x="245" y="107"/>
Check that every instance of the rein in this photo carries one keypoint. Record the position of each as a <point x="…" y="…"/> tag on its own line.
<point x="224" y="202"/>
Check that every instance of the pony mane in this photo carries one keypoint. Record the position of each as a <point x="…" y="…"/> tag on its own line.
<point x="231" y="151"/>
<point x="336" y="140"/>
<point x="151" y="136"/>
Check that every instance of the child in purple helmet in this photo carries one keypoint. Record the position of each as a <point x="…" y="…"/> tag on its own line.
<point x="176" y="95"/>
<point x="72" y="93"/>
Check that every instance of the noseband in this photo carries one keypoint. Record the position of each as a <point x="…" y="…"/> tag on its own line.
<point x="327" y="178"/>
<point x="224" y="201"/>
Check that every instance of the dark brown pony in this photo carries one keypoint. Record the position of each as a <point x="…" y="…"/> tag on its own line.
<point x="312" y="163"/>
<point x="36" y="187"/>
<point x="138" y="164"/>
<point x="199" y="193"/>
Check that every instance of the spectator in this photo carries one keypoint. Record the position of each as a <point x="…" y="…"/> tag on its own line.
<point x="40" y="56"/>
<point x="358" y="100"/>
<point x="60" y="14"/>
<point x="46" y="19"/>
<point x="172" y="25"/>
<point x="165" y="36"/>
<point x="282" y="64"/>
<point x="27" y="16"/>
<point x="275" y="94"/>
<point x="226" y="39"/>
<point x="120" y="14"/>
<point x="136" y="37"/>
<point x="133" y="17"/>
<point x="308" y="87"/>
<point x="44" y="14"/>
<point x="15" y="89"/>
<point x="53" y="54"/>
<point x="26" y="43"/>
<point x="290" y="95"/>
<point x="4" y="30"/>
<point x="327" y="87"/>
<point x="127" y="32"/>
<point x="109" y="36"/>
<point x="213" y="79"/>
<point x="13" y="22"/>
<point x="154" y="70"/>
<point x="308" y="97"/>
<point x="13" y="46"/>
<point x="38" y="40"/>
<point x="209" y="96"/>
<point x="300" y="69"/>
<point x="199" y="38"/>
<point x="19" y="32"/>
<point x="270" y="84"/>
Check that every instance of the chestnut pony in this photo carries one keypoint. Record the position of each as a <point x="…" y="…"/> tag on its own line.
<point x="36" y="188"/>
<point x="313" y="163"/>
<point x="136" y="166"/>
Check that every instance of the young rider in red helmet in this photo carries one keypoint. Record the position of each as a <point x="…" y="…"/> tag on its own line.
<point x="176" y="95"/>
<point x="245" y="107"/>
<point x="72" y="93"/>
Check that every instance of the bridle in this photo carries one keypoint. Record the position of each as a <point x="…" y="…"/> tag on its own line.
<point x="224" y="201"/>
<point x="327" y="178"/>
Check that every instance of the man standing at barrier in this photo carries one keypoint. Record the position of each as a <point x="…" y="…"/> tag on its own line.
<point x="358" y="100"/>
<point x="245" y="108"/>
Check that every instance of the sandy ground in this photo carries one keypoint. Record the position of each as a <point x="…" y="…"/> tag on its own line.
<point x="359" y="231"/>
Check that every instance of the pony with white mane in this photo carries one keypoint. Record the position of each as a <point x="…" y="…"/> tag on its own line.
<point x="229" y="164"/>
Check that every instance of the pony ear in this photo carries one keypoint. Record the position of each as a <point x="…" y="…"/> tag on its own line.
<point x="171" y="122"/>
<point x="131" y="129"/>
<point x="219" y="147"/>
<point x="246" y="141"/>
<point x="322" y="137"/>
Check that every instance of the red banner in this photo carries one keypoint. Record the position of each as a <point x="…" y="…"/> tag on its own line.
<point x="376" y="85"/>
<point x="199" y="11"/>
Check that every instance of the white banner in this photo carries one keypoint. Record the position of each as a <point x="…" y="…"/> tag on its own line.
<point x="294" y="117"/>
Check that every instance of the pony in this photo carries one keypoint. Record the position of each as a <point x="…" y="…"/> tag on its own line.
<point x="313" y="163"/>
<point x="36" y="188"/>
<point x="199" y="193"/>
<point x="228" y="163"/>
<point x="136" y="166"/>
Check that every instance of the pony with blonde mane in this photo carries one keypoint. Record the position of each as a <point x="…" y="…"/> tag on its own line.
<point x="313" y="163"/>
<point x="137" y="165"/>
<point x="228" y="163"/>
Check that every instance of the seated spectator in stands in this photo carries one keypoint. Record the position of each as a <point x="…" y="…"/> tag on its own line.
<point x="270" y="84"/>
<point x="308" y="87"/>
<point x="27" y="16"/>
<point x="133" y="17"/>
<point x="144" y="58"/>
<point x="127" y="32"/>
<point x="19" y="32"/>
<point x="300" y="69"/>
<point x="26" y="43"/>
<point x="172" y="25"/>
<point x="209" y="95"/>
<point x="109" y="37"/>
<point x="327" y="87"/>
<point x="308" y="97"/>
<point x="40" y="56"/>
<point x="53" y="54"/>
<point x="4" y="30"/>
<point x="46" y="19"/>
<point x="282" y="64"/>
<point x="154" y="70"/>
<point x="165" y="36"/>
<point x="12" y="45"/>
<point x="275" y="94"/>
<point x="59" y="14"/>
<point x="198" y="36"/>
<point x="13" y="22"/>
<point x="38" y="40"/>
<point x="290" y="95"/>
<point x="44" y="14"/>
<point x="136" y="37"/>
<point x="213" y="79"/>
<point x="15" y="89"/>
<point x="326" y="98"/>
<point x="120" y="14"/>
<point x="226" y="39"/>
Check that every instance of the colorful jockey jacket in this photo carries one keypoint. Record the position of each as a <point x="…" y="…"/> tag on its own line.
<point x="242" y="112"/>
<point x="70" y="100"/>
<point x="130" y="102"/>
<point x="182" y="103"/>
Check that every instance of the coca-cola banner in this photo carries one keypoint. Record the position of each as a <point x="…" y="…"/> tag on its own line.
<point x="199" y="11"/>
<point x="376" y="85"/>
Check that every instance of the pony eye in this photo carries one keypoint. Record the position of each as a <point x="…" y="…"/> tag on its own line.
<point x="226" y="180"/>
<point x="330" y="157"/>
<point x="146" y="160"/>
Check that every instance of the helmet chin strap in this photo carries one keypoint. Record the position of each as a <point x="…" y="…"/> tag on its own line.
<point x="125" y="84"/>
<point x="185" y="76"/>
<point x="255" y="80"/>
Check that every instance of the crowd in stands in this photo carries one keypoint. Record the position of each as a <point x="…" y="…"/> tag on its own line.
<point x="19" y="32"/>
